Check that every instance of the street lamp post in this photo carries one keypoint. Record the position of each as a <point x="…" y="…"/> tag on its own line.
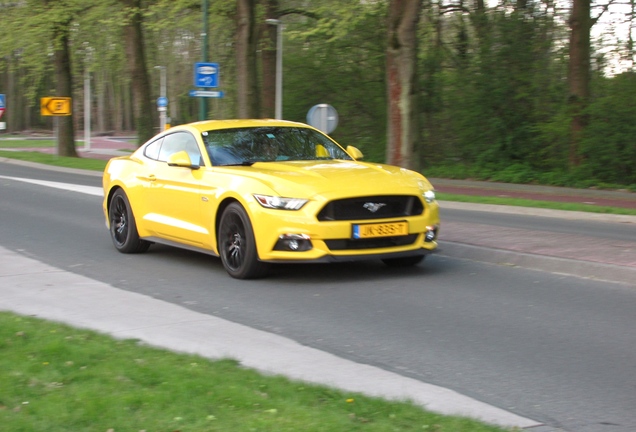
<point x="279" y="66"/>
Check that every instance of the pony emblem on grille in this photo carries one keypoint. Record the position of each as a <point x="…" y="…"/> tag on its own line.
<point x="373" y="207"/>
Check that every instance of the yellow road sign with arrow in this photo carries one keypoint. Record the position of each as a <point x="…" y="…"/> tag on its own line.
<point x="55" y="106"/>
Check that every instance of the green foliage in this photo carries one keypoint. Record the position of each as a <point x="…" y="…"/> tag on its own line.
<point x="492" y="89"/>
<point x="339" y="60"/>
<point x="495" y="95"/>
<point x="609" y="143"/>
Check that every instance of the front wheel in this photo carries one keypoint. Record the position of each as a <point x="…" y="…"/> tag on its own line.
<point x="237" y="246"/>
<point x="123" y="229"/>
<point x="404" y="261"/>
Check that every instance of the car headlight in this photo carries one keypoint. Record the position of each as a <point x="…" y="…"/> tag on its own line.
<point x="274" y="202"/>
<point x="429" y="196"/>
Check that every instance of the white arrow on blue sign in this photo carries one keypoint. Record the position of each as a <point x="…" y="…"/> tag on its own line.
<point x="162" y="101"/>
<point x="2" y="101"/>
<point x="206" y="74"/>
<point x="206" y="93"/>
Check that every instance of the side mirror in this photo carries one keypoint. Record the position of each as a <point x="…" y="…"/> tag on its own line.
<point x="354" y="152"/>
<point x="181" y="159"/>
<point x="321" y="151"/>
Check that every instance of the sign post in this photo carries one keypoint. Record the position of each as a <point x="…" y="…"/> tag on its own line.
<point x="57" y="107"/>
<point x="162" y="107"/>
<point x="3" y="107"/>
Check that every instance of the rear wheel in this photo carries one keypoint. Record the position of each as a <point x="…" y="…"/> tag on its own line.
<point x="123" y="229"/>
<point x="237" y="246"/>
<point x="404" y="261"/>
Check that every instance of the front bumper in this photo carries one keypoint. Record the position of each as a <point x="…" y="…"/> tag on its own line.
<point x="332" y="241"/>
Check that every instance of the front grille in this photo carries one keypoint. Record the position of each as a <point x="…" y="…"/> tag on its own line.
<point x="373" y="243"/>
<point x="361" y="208"/>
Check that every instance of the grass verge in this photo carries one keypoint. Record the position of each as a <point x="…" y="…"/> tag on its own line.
<point x="57" y="378"/>
<point x="99" y="165"/>
<point x="534" y="203"/>
<point x="25" y="143"/>
<point x="61" y="161"/>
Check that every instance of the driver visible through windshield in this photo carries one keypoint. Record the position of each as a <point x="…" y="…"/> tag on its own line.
<point x="245" y="146"/>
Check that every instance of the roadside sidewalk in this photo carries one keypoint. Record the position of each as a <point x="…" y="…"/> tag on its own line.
<point x="579" y="255"/>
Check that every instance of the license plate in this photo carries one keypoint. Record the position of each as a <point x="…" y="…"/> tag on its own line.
<point x="380" y="230"/>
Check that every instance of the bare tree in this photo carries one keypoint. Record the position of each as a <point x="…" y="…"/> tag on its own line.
<point x="268" y="59"/>
<point x="136" y="58"/>
<point x="64" y="87"/>
<point x="578" y="73"/>
<point x="401" y="65"/>
<point x="246" y="40"/>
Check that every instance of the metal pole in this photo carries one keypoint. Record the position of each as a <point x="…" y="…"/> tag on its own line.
<point x="324" y="109"/>
<point x="278" y="110"/>
<point x="279" y="71"/>
<point x="162" y="93"/>
<point x="87" y="110"/>
<point x="203" y="103"/>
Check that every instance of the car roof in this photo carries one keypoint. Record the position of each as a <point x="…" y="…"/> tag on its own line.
<point x="208" y="125"/>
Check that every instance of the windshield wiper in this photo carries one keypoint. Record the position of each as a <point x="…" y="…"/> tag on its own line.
<point x="244" y="163"/>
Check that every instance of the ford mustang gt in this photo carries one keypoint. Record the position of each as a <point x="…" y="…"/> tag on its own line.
<point x="257" y="192"/>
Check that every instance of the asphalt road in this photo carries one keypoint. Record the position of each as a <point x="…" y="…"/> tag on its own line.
<point x="560" y="350"/>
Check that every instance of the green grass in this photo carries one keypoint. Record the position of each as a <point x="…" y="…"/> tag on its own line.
<point x="98" y="165"/>
<point x="535" y="203"/>
<point x="57" y="378"/>
<point x="26" y="143"/>
<point x="49" y="159"/>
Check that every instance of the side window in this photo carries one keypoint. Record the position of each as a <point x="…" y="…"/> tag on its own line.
<point x="152" y="150"/>
<point x="180" y="141"/>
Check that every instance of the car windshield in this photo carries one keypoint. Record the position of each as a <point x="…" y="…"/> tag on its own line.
<point x="245" y="146"/>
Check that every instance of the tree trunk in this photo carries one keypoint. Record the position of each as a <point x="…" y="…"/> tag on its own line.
<point x="248" y="106"/>
<point x="401" y="65"/>
<point x="136" y="58"/>
<point x="268" y="91"/>
<point x="64" y="88"/>
<point x="578" y="74"/>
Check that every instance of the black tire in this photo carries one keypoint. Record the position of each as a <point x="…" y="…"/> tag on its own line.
<point x="237" y="246"/>
<point x="123" y="229"/>
<point x="404" y="261"/>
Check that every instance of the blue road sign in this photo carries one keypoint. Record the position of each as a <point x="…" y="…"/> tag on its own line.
<point x="206" y="74"/>
<point x="162" y="102"/>
<point x="2" y="101"/>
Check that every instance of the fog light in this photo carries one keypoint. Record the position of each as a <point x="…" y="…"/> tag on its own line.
<point x="431" y="233"/>
<point x="293" y="242"/>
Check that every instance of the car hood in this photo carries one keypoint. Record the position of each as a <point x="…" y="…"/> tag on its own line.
<point x="307" y="179"/>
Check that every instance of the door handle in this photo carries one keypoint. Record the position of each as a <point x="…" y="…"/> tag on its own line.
<point x="149" y="178"/>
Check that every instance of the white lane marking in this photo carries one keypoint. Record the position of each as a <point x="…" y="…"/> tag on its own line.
<point x="89" y="190"/>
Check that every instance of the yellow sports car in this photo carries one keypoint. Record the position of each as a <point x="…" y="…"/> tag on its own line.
<point x="255" y="192"/>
